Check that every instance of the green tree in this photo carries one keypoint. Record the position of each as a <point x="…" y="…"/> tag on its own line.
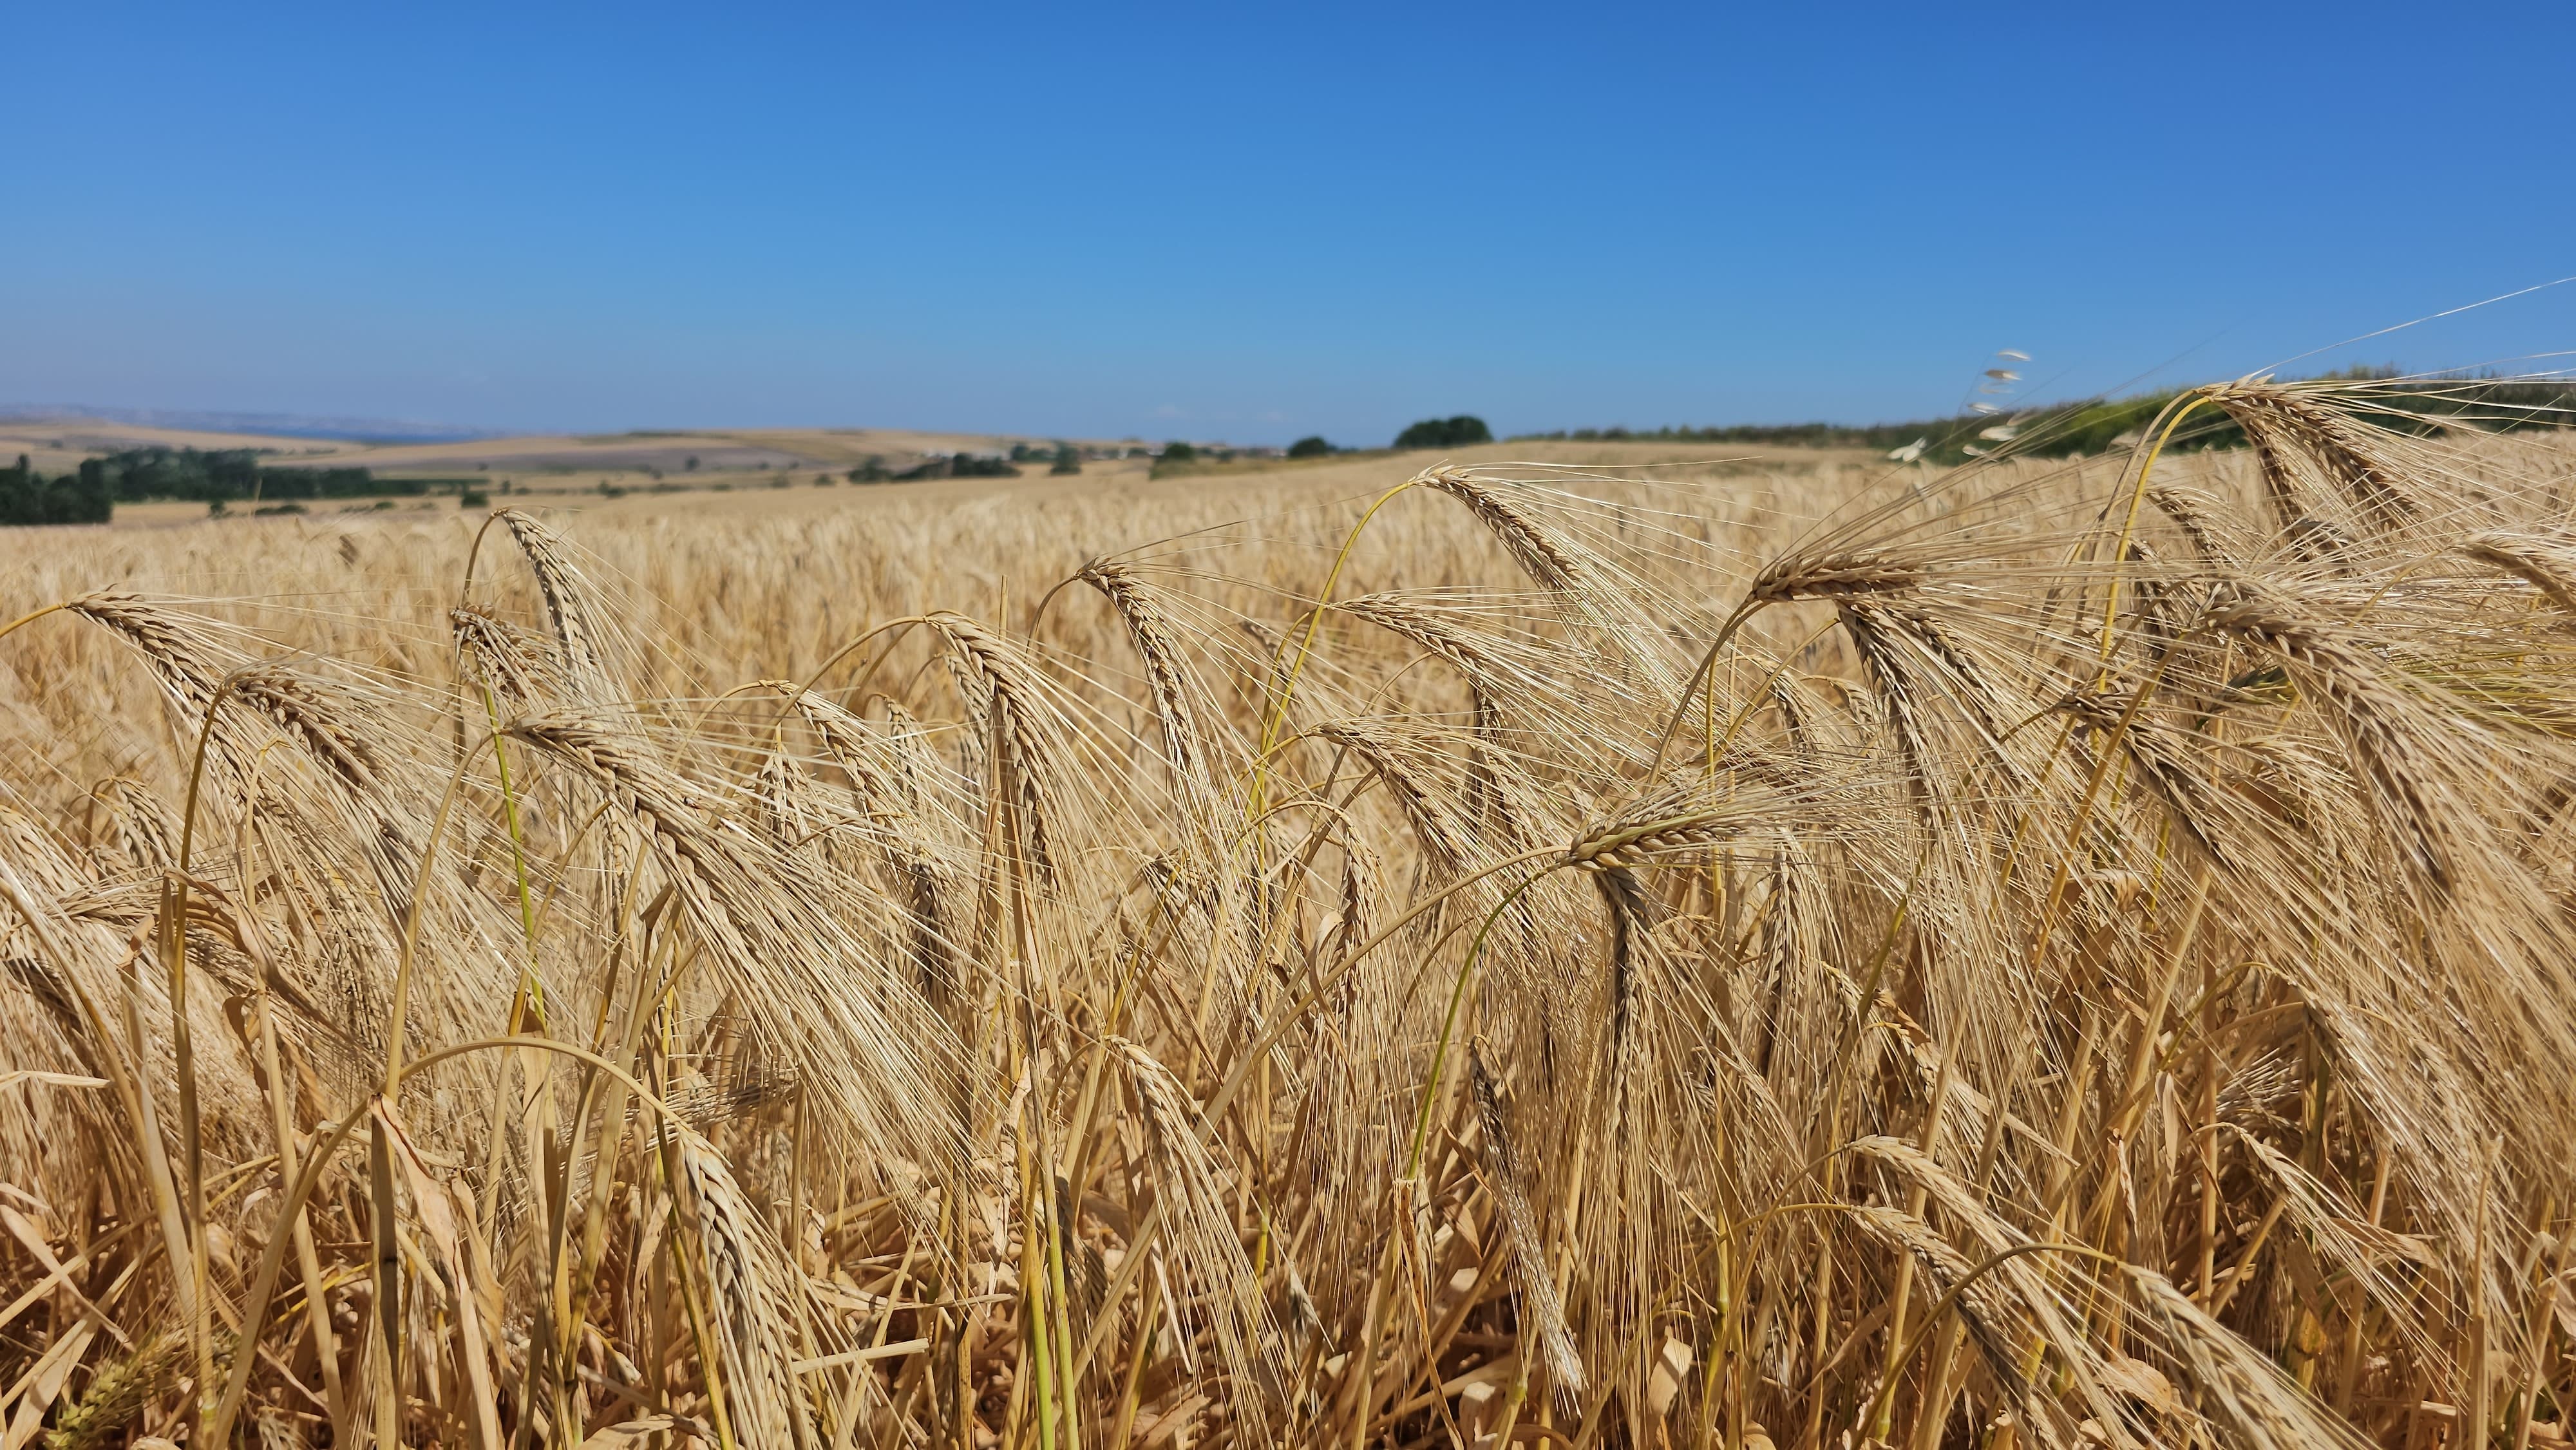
<point x="1177" y="451"/>
<point x="1455" y="432"/>
<point x="1310" y="447"/>
<point x="1068" y="459"/>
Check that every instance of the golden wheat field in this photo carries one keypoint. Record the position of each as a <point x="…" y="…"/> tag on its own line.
<point x="1764" y="956"/>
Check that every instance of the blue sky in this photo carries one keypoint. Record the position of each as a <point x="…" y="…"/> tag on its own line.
<point x="1256" y="223"/>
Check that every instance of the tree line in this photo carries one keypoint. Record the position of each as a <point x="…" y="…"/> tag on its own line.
<point x="230" y="475"/>
<point x="28" y="497"/>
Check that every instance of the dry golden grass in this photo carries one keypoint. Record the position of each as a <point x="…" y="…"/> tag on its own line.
<point x="1786" y="954"/>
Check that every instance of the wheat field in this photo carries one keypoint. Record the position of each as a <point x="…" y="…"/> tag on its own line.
<point x="2051" y="953"/>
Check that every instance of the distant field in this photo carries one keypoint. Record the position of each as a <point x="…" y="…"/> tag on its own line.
<point x="776" y="470"/>
<point x="717" y="450"/>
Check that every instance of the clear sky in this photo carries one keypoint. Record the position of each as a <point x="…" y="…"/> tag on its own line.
<point x="1250" y="223"/>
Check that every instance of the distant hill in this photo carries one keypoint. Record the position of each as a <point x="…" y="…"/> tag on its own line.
<point x="157" y="458"/>
<point x="269" y="425"/>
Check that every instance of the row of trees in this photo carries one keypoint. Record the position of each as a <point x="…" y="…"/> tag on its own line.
<point x="232" y="475"/>
<point x="1178" y="456"/>
<point x="28" y="497"/>
<point x="1059" y="458"/>
<point x="958" y="465"/>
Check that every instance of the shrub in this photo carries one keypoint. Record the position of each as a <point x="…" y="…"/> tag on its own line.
<point x="1067" y="459"/>
<point x="473" y="498"/>
<point x="1312" y="446"/>
<point x="1178" y="452"/>
<point x="1455" y="432"/>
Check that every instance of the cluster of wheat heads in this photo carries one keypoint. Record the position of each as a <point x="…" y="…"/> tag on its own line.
<point x="2069" y="956"/>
